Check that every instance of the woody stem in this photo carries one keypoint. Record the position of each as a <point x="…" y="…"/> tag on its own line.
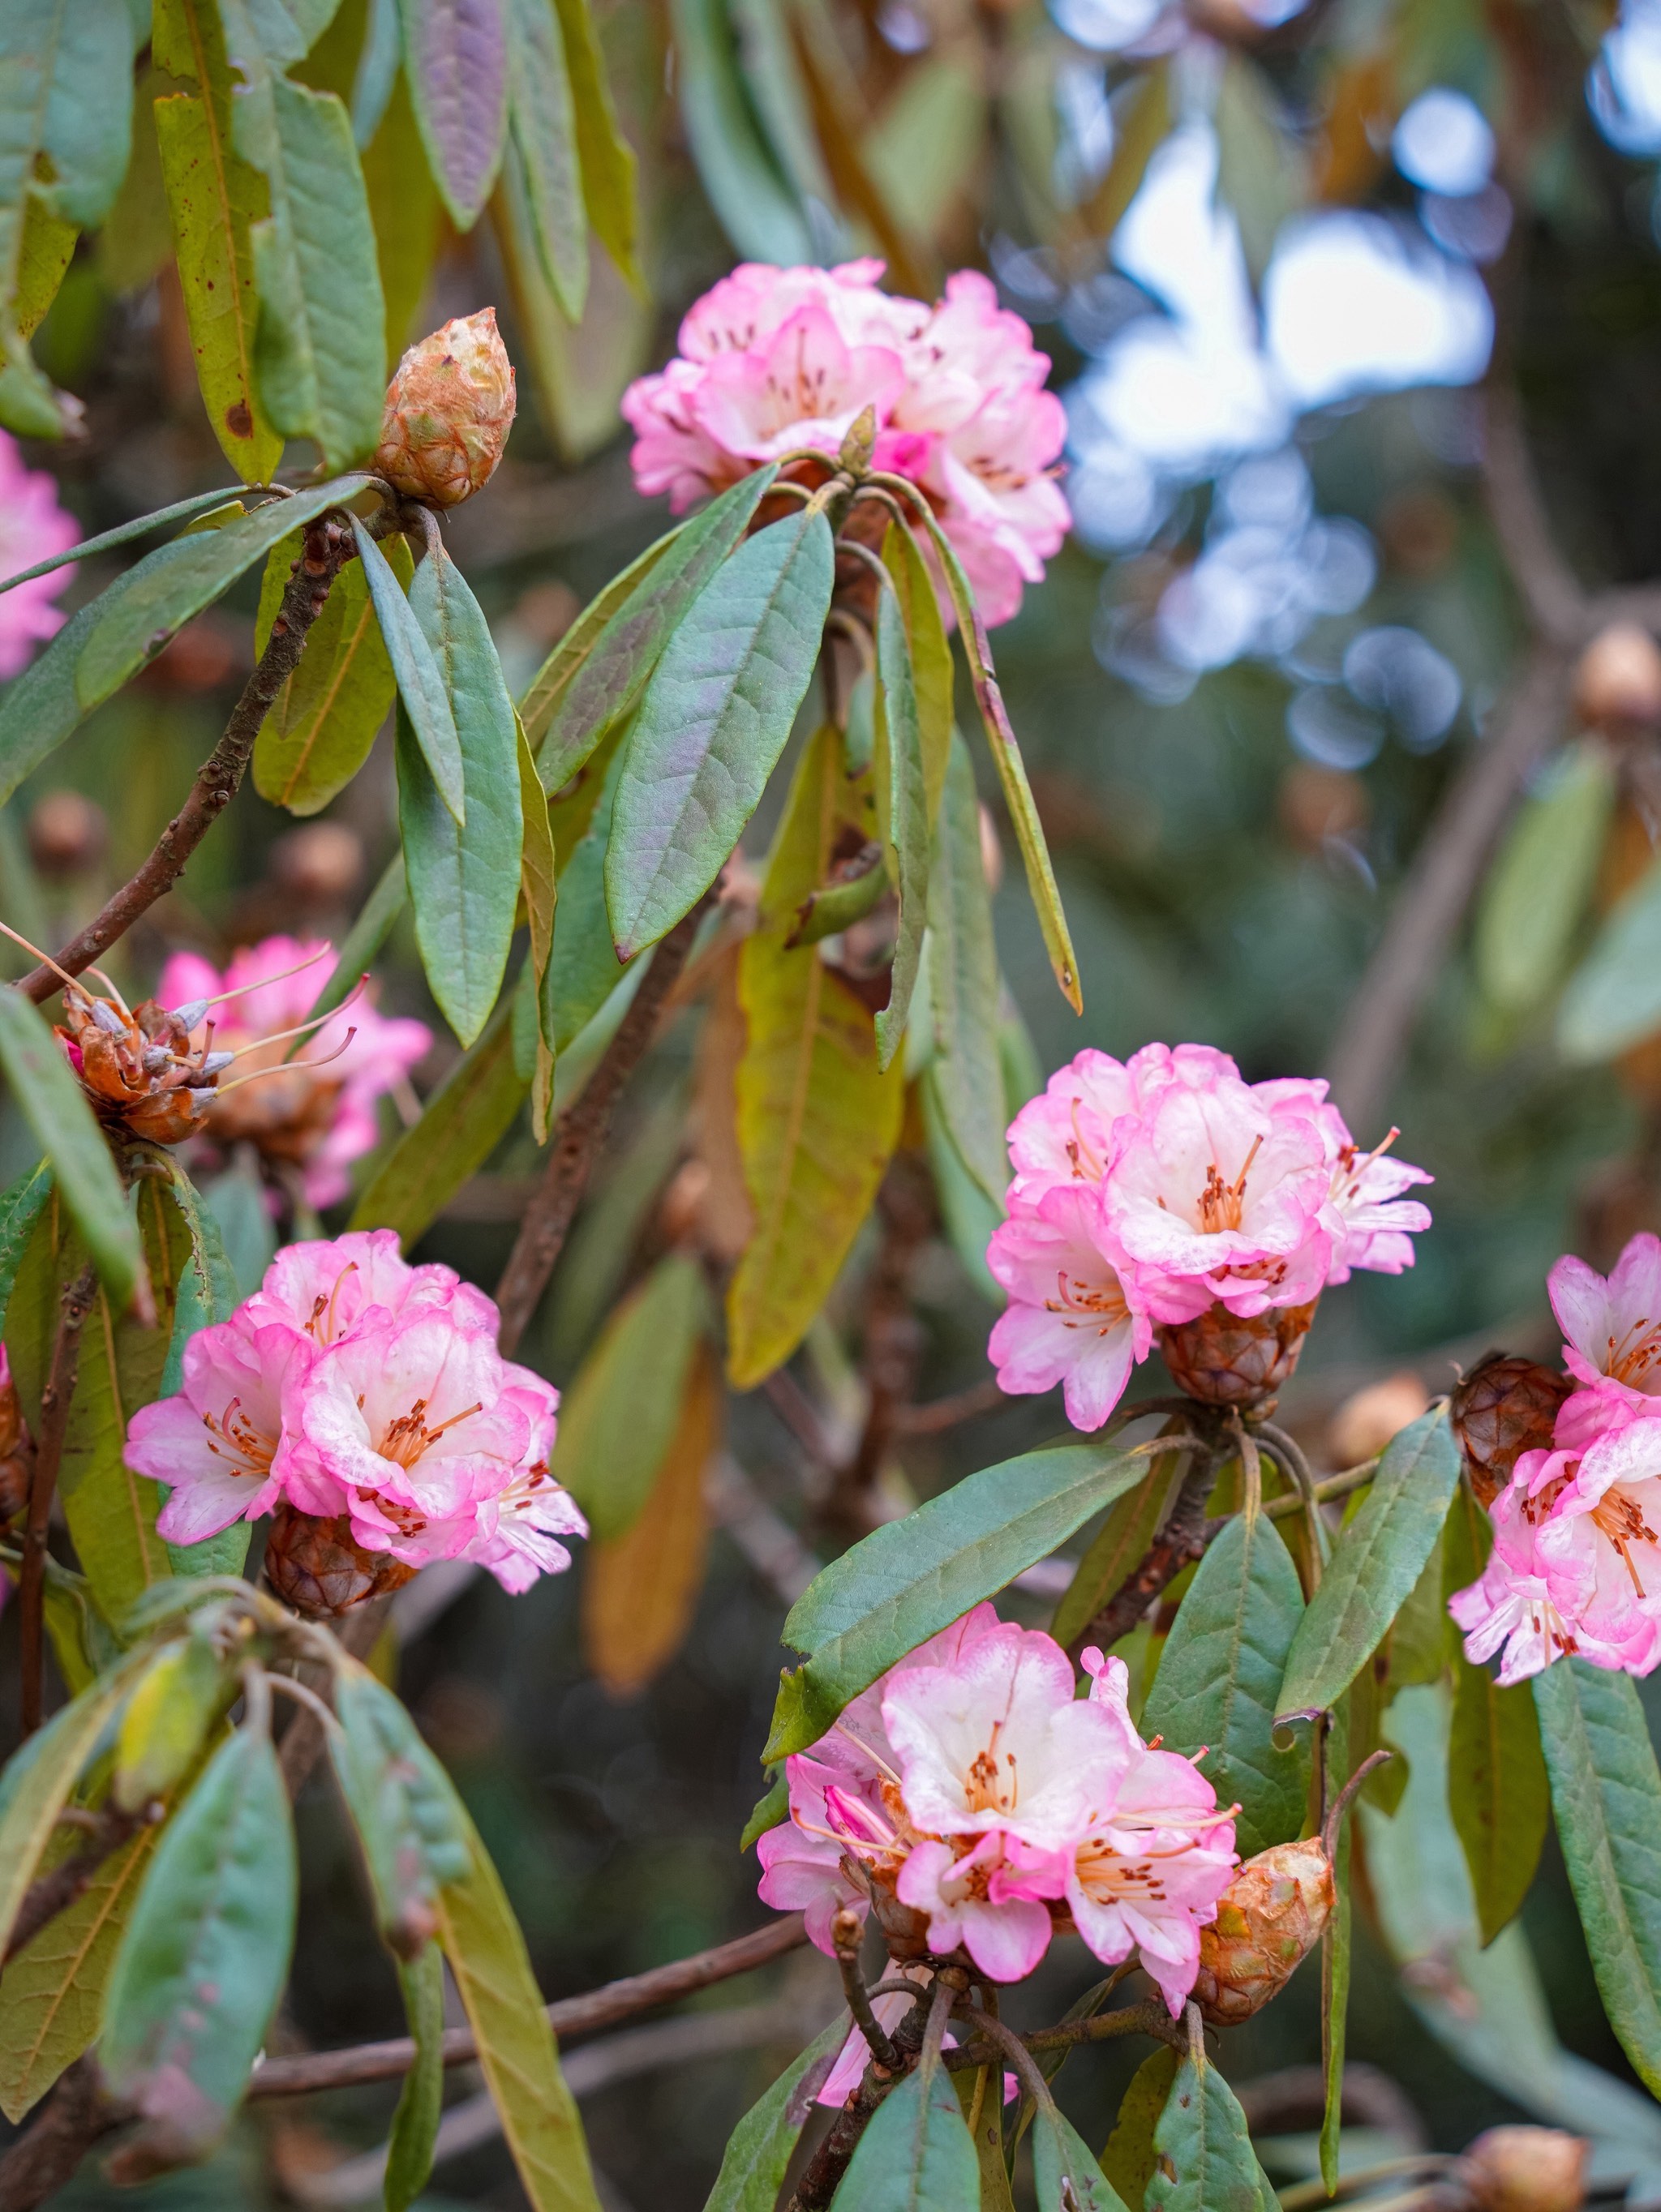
<point x="77" y="1303"/>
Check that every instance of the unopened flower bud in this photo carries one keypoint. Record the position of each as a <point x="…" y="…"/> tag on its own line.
<point x="1521" y="2169"/>
<point x="317" y="1567"/>
<point x="1269" y="1920"/>
<point x="449" y="408"/>
<point x="1504" y="1407"/>
<point x="67" y="833"/>
<point x="1618" y="685"/>
<point x="1230" y="1359"/>
<point x="859" y="443"/>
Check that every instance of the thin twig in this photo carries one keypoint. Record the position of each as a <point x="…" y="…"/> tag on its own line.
<point x="1150" y="2018"/>
<point x="845" y="1934"/>
<point x="326" y="550"/>
<point x="825" y="2170"/>
<point x="1182" y="1537"/>
<point x="55" y="1400"/>
<point x="941" y="1413"/>
<point x="578" y="1135"/>
<point x="1289" y="1454"/>
<point x="304" y="1737"/>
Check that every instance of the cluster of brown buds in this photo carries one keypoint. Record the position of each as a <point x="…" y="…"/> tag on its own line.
<point x="1505" y="1407"/>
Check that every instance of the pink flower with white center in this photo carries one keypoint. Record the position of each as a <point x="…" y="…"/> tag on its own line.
<point x="32" y="528"/>
<point x="1509" y="1608"/>
<point x="1379" y="1224"/>
<point x="1613" y="1324"/>
<point x="317" y="1113"/>
<point x="535" y="1512"/>
<point x="973" y="1899"/>
<point x="1074" y="1316"/>
<point x="773" y="361"/>
<point x="1597" y="1540"/>
<point x="328" y="1286"/>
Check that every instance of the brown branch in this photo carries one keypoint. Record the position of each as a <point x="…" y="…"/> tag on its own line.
<point x="892" y="1351"/>
<point x="43" y="2159"/>
<point x="578" y="1135"/>
<point x="326" y="549"/>
<point x="1181" y="1536"/>
<point x="55" y="1398"/>
<point x="825" y="2170"/>
<point x="569" y="2017"/>
<point x="302" y="1739"/>
<point x="941" y="1414"/>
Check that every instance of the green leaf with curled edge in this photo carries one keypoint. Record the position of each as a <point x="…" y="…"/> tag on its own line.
<point x="1203" y="2157"/>
<point x="963" y="981"/>
<point x="758" y="2151"/>
<point x="934" y="678"/>
<point x="404" y="1806"/>
<point x="541" y="699"/>
<point x="543" y="131"/>
<point x="917" y="2153"/>
<point x="901" y="813"/>
<point x="421" y="2100"/>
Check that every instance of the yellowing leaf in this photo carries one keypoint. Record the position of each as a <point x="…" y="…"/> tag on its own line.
<point x="817" y="1119"/>
<point x="621" y="1414"/>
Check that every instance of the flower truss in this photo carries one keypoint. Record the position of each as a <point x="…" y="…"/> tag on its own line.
<point x="314" y="1113"/>
<point x="32" y="528"/>
<point x="1576" y="1564"/>
<point x="976" y="1803"/>
<point x="1148" y="1195"/>
<point x="351" y="1385"/>
<point x="774" y="361"/>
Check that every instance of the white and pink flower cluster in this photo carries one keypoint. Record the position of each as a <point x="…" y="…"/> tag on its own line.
<point x="32" y="528"/>
<point x="353" y="1384"/>
<point x="1145" y="1191"/>
<point x="773" y="361"/>
<point x="1576" y="1565"/>
<point x="972" y="1785"/>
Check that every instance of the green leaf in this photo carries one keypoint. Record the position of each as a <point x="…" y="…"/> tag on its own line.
<point x="618" y="1418"/>
<point x="35" y="1784"/>
<point x="1606" y="1795"/>
<point x="48" y="249"/>
<point x="933" y="680"/>
<point x="1498" y="1792"/>
<point x="463" y="1122"/>
<point x="455" y="55"/>
<point x="403" y="207"/>
<point x="154" y="600"/>
<point x="323" y="721"/>
<point x="1203" y="2159"/>
<point x="544" y="126"/>
<point x="20" y="1209"/>
<point x="1614" y="997"/>
<point x="214" y="199"/>
<point x="408" y="1818"/>
<point x="758" y="2151"/>
<point x="817" y="1119"/>
<point x="421" y="2100"/>
<point x="902" y="814"/>
<point x="166" y="1723"/>
<point x="713" y="722"/>
<point x="969" y="1216"/>
<point x="539" y="883"/>
<point x="917" y="2153"/>
<point x="583" y="971"/>
<point x="421" y="683"/>
<point x="770" y="1811"/>
<point x="1064" y="2171"/>
<point x="607" y="159"/>
<point x="51" y="1996"/>
<point x="376" y="73"/>
<point x="1115" y="1551"/>
<point x="757" y="206"/>
<point x="487" y="1955"/>
<point x="909" y="1578"/>
<point x="1539" y="885"/>
<point x="1335" y="1950"/>
<point x="206" y="1951"/>
<point x="546" y="690"/>
<point x="88" y="549"/>
<point x="55" y="1106"/>
<point x="1218" y="1676"/>
<point x="603" y="687"/>
<point x="1374" y="1566"/>
<point x="1130" y="2158"/>
<point x="962" y="983"/>
<point x="463" y="887"/>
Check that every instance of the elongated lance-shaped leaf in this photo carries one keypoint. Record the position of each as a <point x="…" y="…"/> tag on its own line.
<point x="54" y="1104"/>
<point x="543" y="127"/>
<point x="421" y="683"/>
<point x="1606" y="1795"/>
<point x="1613" y="999"/>
<point x="141" y="525"/>
<point x="1011" y="772"/>
<point x="757" y="203"/>
<point x="377" y="70"/>
<point x="206" y="1291"/>
<point x="408" y="1818"/>
<point x="932" y="675"/>
<point x="1064" y="2169"/>
<point x="456" y="55"/>
<point x="1538" y="887"/>
<point x="421" y="2101"/>
<point x="1115" y="1551"/>
<point x="539" y="886"/>
<point x="713" y="720"/>
<point x="758" y="2151"/>
<point x="1203" y="2159"/>
<point x="543" y="695"/>
<point x="204" y="1959"/>
<point x="1374" y="1566"/>
<point x="1219" y="1674"/>
<point x="620" y="1414"/>
<point x="583" y="969"/>
<point x="1498" y="1792"/>
<point x="214" y="200"/>
<point x="910" y="1578"/>
<point x="963" y="981"/>
<point x="20" y="1209"/>
<point x="901" y="813"/>
<point x="464" y="1122"/>
<point x="618" y="665"/>
<point x="608" y="160"/>
<point x="165" y="1726"/>
<point x="917" y="2153"/>
<point x="1129" y="2158"/>
<point x="1335" y="1944"/>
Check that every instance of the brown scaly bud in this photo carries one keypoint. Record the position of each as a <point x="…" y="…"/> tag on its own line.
<point x="1618" y="685"/>
<point x="449" y="408"/>
<point x="1269" y="1920"/>
<point x="1526" y="2170"/>
<point x="315" y="1566"/>
<point x="1224" y="1360"/>
<point x="138" y="1069"/>
<point x="1504" y="1407"/>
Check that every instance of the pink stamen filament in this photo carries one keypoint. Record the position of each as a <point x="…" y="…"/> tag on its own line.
<point x="285" y="1067"/>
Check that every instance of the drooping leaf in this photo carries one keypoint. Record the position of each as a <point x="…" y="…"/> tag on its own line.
<point x="1498" y="1792"/>
<point x="421" y="2100"/>
<point x="1116" y="1551"/>
<point x="54" y="1104"/>
<point x="617" y="664"/>
<point x="408" y="1819"/>
<point x="1613" y="999"/>
<point x="910" y="1578"/>
<point x="1203" y="2159"/>
<point x="1374" y="1566"/>
<point x="545" y="694"/>
<point x="713" y="720"/>
<point x="376" y="73"/>
<point x="967" y="1214"/>
<point x="1340" y="1750"/>
<point x="1064" y="2170"/>
<point x="456" y="52"/>
<point x="902" y="814"/>
<point x="538" y="885"/>
<point x="756" y="204"/>
<point x="1141" y="123"/>
<point x="36" y="1782"/>
<point x="931" y="673"/>
<point x="758" y="2151"/>
<point x="403" y="207"/>
<point x="771" y="1808"/>
<point x="583" y="969"/>
<point x="20" y="1209"/>
<point x="1537" y="888"/>
<point x="48" y="249"/>
<point x="463" y="885"/>
<point x="141" y="525"/>
<point x="486" y="1952"/>
<point x="323" y="721"/>
<point x="1606" y="1795"/>
<point x="421" y="683"/>
<point x="202" y="1962"/>
<point x="465" y="1120"/>
<point x="1219" y="1674"/>
<point x="817" y="1118"/>
<point x="917" y="2153"/>
<point x="543" y="126"/>
<point x="214" y="199"/>
<point x="1129" y="2158"/>
<point x="963" y="981"/>
<point x="620" y="1416"/>
<point x="608" y="158"/>
<point x="979" y="2096"/>
<point x="173" y="1707"/>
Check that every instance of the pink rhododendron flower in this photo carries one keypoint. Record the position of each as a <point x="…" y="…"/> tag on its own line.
<point x="32" y="528"/>
<point x="775" y="361"/>
<point x="317" y="1113"/>
<point x="1144" y="1193"/>
<point x="1612" y="1323"/>
<point x="352" y="1384"/>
